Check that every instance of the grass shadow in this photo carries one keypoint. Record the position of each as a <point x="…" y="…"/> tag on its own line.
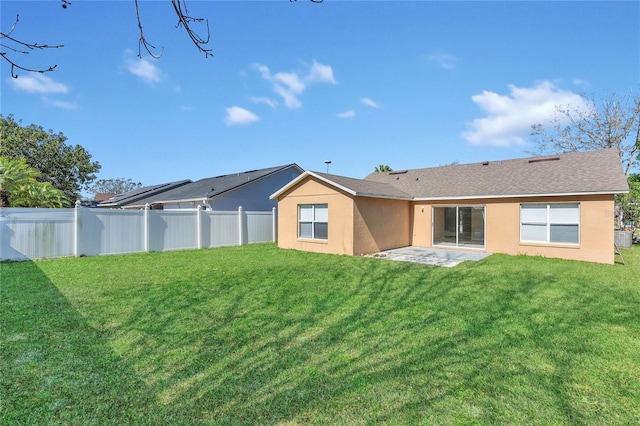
<point x="55" y="368"/>
<point x="258" y="335"/>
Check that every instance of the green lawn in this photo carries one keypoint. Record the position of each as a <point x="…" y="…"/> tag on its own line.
<point x="259" y="335"/>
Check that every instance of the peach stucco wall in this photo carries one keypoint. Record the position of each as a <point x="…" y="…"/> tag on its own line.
<point x="362" y="225"/>
<point x="340" y="209"/>
<point x="380" y="224"/>
<point x="503" y="227"/>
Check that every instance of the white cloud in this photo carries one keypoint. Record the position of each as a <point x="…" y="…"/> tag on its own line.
<point x="370" y="103"/>
<point x="443" y="59"/>
<point x="291" y="85"/>
<point x="38" y="83"/>
<point x="264" y="100"/>
<point x="320" y="74"/>
<point x="143" y="68"/>
<point x="62" y="104"/>
<point x="509" y="117"/>
<point x="347" y="114"/>
<point x="581" y="82"/>
<point x="236" y="116"/>
<point x="290" y="82"/>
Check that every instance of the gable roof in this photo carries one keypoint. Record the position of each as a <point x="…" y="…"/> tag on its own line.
<point x="355" y="187"/>
<point x="214" y="186"/>
<point x="139" y="193"/>
<point x="103" y="196"/>
<point x="574" y="173"/>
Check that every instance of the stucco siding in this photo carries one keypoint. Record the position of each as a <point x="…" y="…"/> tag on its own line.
<point x="503" y="227"/>
<point x="596" y="230"/>
<point x="340" y="222"/>
<point x="380" y="224"/>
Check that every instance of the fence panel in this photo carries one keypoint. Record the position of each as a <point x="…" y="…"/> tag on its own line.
<point x="104" y="231"/>
<point x="222" y="229"/>
<point x="27" y="233"/>
<point x="259" y="227"/>
<point x="172" y="230"/>
<point x="36" y="233"/>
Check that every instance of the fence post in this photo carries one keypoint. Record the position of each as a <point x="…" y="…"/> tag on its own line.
<point x="199" y="226"/>
<point x="274" y="224"/>
<point x="145" y="227"/>
<point x="76" y="237"/>
<point x="240" y="230"/>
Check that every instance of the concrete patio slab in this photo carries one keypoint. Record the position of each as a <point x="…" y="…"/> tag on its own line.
<point x="430" y="256"/>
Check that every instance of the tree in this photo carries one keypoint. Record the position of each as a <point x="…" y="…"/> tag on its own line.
<point x="67" y="168"/>
<point x="19" y="187"/>
<point x="628" y="211"/>
<point x="383" y="168"/>
<point x="14" y="45"/>
<point x="114" y="186"/>
<point x="609" y="122"/>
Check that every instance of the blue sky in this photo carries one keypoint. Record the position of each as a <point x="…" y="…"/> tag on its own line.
<point x="360" y="83"/>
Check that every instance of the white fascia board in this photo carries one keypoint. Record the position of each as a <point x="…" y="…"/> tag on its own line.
<point x="387" y="197"/>
<point x="555" y="194"/>
<point x="304" y="175"/>
<point x="289" y="185"/>
<point x="185" y="200"/>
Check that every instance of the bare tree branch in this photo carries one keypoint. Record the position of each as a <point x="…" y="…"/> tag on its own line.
<point x="19" y="48"/>
<point x="184" y="21"/>
<point x="609" y="122"/>
<point x="142" y="41"/>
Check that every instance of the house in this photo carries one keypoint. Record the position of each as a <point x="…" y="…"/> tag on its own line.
<point x="249" y="190"/>
<point x="131" y="197"/>
<point x="103" y="196"/>
<point x="555" y="206"/>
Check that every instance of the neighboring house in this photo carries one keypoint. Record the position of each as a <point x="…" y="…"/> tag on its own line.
<point x="132" y="197"/>
<point x="249" y="190"/>
<point x="555" y="206"/>
<point x="103" y="196"/>
<point x="97" y="199"/>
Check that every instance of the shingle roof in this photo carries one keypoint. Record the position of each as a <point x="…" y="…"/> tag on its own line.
<point x="594" y="172"/>
<point x="211" y="187"/>
<point x="365" y="188"/>
<point x="569" y="173"/>
<point x="139" y="193"/>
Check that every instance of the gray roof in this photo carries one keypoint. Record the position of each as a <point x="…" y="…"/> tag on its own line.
<point x="572" y="173"/>
<point x="211" y="187"/>
<point x="365" y="188"/>
<point x="140" y="193"/>
<point x="595" y="172"/>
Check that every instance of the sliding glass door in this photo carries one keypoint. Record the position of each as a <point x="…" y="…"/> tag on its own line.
<point x="459" y="226"/>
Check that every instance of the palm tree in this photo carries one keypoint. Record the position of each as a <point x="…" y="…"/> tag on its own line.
<point x="19" y="187"/>
<point x="383" y="168"/>
<point x="14" y="175"/>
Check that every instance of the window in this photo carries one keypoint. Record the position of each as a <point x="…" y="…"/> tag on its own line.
<point x="460" y="226"/>
<point x="313" y="221"/>
<point x="550" y="223"/>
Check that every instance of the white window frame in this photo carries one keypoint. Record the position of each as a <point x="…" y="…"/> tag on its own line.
<point x="319" y="214"/>
<point x="547" y="222"/>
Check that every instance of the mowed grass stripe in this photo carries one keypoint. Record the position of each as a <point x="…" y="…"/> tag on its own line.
<point x="260" y="335"/>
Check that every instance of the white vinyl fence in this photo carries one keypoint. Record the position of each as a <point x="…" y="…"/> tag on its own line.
<point x="27" y="233"/>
